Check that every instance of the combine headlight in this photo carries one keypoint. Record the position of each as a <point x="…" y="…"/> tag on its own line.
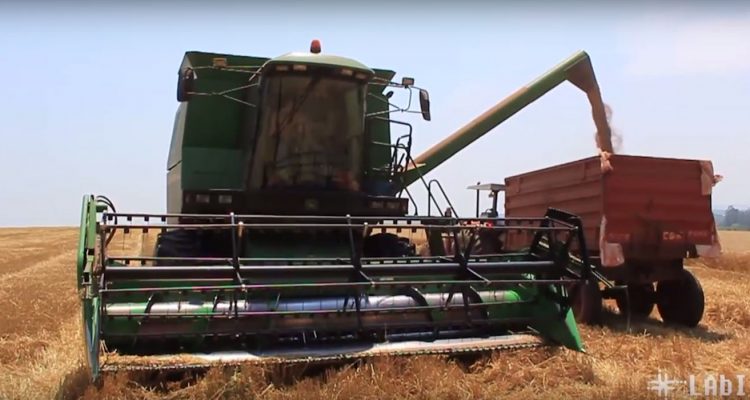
<point x="390" y="205"/>
<point x="225" y="199"/>
<point x="202" y="198"/>
<point x="311" y="204"/>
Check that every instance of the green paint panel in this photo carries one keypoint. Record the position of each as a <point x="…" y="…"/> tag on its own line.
<point x="210" y="168"/>
<point x="211" y="131"/>
<point x="214" y="122"/>
<point x="178" y="133"/>
<point x="555" y="321"/>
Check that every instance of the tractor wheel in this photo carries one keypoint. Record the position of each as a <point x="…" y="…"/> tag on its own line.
<point x="641" y="298"/>
<point x="681" y="301"/>
<point x="586" y="301"/>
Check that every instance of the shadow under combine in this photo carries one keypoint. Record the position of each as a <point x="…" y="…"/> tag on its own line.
<point x="649" y="325"/>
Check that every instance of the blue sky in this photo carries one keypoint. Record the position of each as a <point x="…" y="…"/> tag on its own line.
<point x="88" y="93"/>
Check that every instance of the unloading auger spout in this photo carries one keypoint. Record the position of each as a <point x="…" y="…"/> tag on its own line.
<point x="577" y="69"/>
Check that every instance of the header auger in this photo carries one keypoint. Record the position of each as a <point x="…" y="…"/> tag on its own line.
<point x="287" y="236"/>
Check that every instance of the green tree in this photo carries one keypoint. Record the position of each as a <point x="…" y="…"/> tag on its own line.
<point x="743" y="219"/>
<point x="731" y="216"/>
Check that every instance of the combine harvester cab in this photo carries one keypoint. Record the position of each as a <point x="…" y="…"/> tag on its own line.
<point x="150" y="312"/>
<point x="286" y="237"/>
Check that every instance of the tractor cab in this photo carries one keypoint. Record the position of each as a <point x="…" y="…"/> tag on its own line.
<point x="487" y="238"/>
<point x="494" y="189"/>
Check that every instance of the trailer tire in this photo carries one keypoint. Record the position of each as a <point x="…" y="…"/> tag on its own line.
<point x="586" y="301"/>
<point x="641" y="298"/>
<point x="681" y="301"/>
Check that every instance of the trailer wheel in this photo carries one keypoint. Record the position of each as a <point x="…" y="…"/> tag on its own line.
<point x="586" y="301"/>
<point x="642" y="298"/>
<point x="681" y="301"/>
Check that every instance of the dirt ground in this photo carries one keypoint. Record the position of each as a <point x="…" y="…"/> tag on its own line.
<point x="41" y="346"/>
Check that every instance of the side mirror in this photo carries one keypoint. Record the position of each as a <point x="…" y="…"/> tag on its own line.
<point x="185" y="81"/>
<point x="424" y="104"/>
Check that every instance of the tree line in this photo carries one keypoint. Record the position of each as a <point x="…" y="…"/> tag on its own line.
<point x="735" y="218"/>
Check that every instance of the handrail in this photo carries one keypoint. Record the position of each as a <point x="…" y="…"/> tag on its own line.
<point x="445" y="196"/>
<point x="413" y="202"/>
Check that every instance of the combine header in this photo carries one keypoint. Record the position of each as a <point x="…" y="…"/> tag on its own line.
<point x="288" y="236"/>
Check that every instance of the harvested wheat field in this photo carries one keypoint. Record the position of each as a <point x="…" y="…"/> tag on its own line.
<point x="41" y="347"/>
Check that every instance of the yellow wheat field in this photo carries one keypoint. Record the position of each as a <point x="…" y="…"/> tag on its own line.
<point x="41" y="346"/>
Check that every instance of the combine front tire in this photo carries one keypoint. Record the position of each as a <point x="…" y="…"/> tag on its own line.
<point x="181" y="243"/>
<point x="177" y="243"/>
<point x="681" y="301"/>
<point x="388" y="245"/>
<point x="641" y="299"/>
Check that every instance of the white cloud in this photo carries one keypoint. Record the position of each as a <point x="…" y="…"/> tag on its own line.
<point x="670" y="45"/>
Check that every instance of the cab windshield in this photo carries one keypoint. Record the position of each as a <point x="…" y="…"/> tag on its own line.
<point x="311" y="129"/>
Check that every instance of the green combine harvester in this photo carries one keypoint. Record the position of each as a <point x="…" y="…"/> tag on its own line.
<point x="288" y="226"/>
